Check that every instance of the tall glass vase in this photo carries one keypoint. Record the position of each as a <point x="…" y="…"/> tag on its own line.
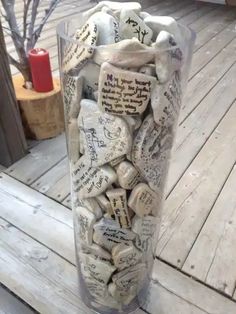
<point x="123" y="75"/>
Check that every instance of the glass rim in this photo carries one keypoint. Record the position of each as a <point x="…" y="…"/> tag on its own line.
<point x="68" y="39"/>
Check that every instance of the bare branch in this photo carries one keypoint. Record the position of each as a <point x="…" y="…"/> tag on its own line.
<point x="34" y="12"/>
<point x="38" y="30"/>
<point x="25" y="15"/>
<point x="14" y="62"/>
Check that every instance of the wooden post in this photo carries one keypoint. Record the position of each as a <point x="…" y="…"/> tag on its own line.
<point x="12" y="140"/>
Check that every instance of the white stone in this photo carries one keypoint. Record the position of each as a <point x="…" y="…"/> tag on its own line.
<point x="166" y="101"/>
<point x="91" y="181"/>
<point x="148" y="69"/>
<point x="76" y="55"/>
<point x="134" y="122"/>
<point x="127" y="174"/>
<point x="84" y="222"/>
<point x="96" y="250"/>
<point x="108" y="28"/>
<point x="151" y="152"/>
<point x="168" y="58"/>
<point x="128" y="53"/>
<point x="125" y="256"/>
<point x="98" y="269"/>
<point x="90" y="74"/>
<point x="144" y="14"/>
<point x="92" y="205"/>
<point x="131" y="25"/>
<point x="144" y="200"/>
<point x="163" y="23"/>
<point x="122" y="92"/>
<point x="72" y="94"/>
<point x="130" y="277"/>
<point x="73" y="141"/>
<point x="116" y="161"/>
<point x="118" y="202"/>
<point x="106" y="137"/>
<point x="105" y="204"/>
<point x="146" y="229"/>
<point x="121" y="295"/>
<point x="107" y="233"/>
<point x="112" y="5"/>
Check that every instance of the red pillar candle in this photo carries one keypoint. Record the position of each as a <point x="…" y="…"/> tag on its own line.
<point x="40" y="70"/>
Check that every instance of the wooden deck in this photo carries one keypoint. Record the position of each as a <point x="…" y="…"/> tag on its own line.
<point x="195" y="269"/>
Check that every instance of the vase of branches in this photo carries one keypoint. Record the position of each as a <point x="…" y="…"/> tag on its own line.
<point x="42" y="113"/>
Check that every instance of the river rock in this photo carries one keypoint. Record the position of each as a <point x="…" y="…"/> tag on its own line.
<point x="105" y="205"/>
<point x="114" y="6"/>
<point x="91" y="181"/>
<point x="122" y="92"/>
<point x="90" y="74"/>
<point x="128" y="53"/>
<point x="98" y="269"/>
<point x="125" y="255"/>
<point x="118" y="202"/>
<point x="96" y="250"/>
<point x="166" y="101"/>
<point x="73" y="141"/>
<point x="151" y="151"/>
<point x="131" y="25"/>
<point x="169" y="59"/>
<point x="144" y="200"/>
<point x="72" y="94"/>
<point x="76" y="55"/>
<point x="92" y="205"/>
<point x="127" y="174"/>
<point x="106" y="137"/>
<point x="84" y="221"/>
<point x="107" y="233"/>
<point x="145" y="228"/>
<point x="108" y="28"/>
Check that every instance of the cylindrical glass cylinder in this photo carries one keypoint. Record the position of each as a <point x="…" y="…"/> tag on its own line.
<point x="122" y="85"/>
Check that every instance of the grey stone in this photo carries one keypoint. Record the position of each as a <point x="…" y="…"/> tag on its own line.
<point x="95" y="250"/>
<point x="92" y="205"/>
<point x="105" y="204"/>
<point x="90" y="74"/>
<point x="127" y="174"/>
<point x="84" y="222"/>
<point x="125" y="255"/>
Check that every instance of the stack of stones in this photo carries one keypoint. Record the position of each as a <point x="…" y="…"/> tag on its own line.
<point x="122" y="95"/>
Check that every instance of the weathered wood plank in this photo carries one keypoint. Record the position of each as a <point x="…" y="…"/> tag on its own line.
<point x="37" y="215"/>
<point x="199" y="298"/>
<point x="206" y="53"/>
<point x="204" y="81"/>
<point x="41" y="158"/>
<point x="191" y="13"/>
<point x="56" y="182"/>
<point x="212" y="258"/>
<point x="191" y="201"/>
<point x="11" y="305"/>
<point x="195" y="131"/>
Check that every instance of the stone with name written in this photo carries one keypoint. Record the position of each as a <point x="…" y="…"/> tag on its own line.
<point x="151" y="151"/>
<point x="90" y="74"/>
<point x="130" y="277"/>
<point x="92" y="205"/>
<point x="131" y="25"/>
<point x="166" y="101"/>
<point x="121" y="295"/>
<point x="96" y="250"/>
<point x="107" y="233"/>
<point x="84" y="221"/>
<point x="105" y="204"/>
<point x="118" y="202"/>
<point x="77" y="54"/>
<point x="168" y="58"/>
<point x="96" y="268"/>
<point x="114" y="6"/>
<point x="116" y="161"/>
<point x="144" y="200"/>
<point x="125" y="255"/>
<point x="128" y="53"/>
<point x="106" y="137"/>
<point x="122" y="92"/>
<point x="127" y="174"/>
<point x="91" y="181"/>
<point x="108" y="28"/>
<point x="145" y="228"/>
<point x="72" y="94"/>
<point x="73" y="141"/>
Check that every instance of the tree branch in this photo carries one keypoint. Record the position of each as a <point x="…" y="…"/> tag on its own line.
<point x="38" y="30"/>
<point x="25" y="15"/>
<point x="34" y="12"/>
